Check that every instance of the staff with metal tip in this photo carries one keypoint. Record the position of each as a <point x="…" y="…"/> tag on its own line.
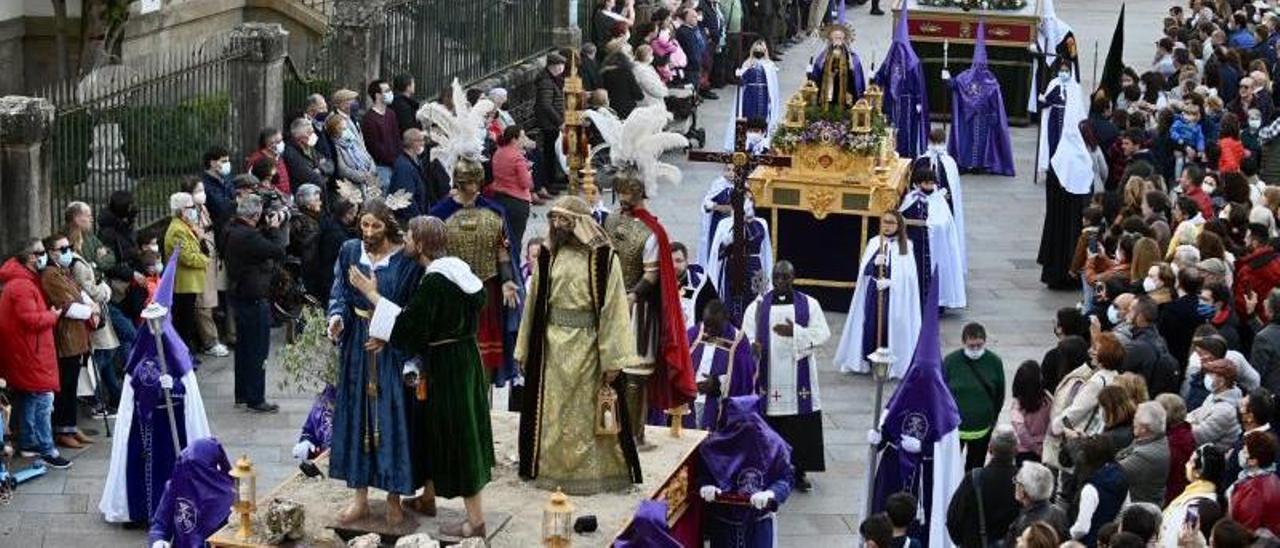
<point x="155" y="314"/>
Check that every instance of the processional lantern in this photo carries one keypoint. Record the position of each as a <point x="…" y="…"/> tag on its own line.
<point x="875" y="96"/>
<point x="574" y="138"/>
<point x="795" y="112"/>
<point x="245" y="503"/>
<point x="860" y="117"/>
<point x="557" y="521"/>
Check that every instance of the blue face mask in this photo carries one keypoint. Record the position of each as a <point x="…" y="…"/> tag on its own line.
<point x="1206" y="310"/>
<point x="64" y="259"/>
<point x="42" y="261"/>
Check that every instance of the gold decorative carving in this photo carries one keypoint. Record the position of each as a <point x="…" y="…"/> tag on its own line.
<point x="820" y="202"/>
<point x="999" y="32"/>
<point x="966" y="30"/>
<point x="676" y="493"/>
<point x="930" y="28"/>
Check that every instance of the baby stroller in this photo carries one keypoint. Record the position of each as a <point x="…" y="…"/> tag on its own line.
<point x="682" y="101"/>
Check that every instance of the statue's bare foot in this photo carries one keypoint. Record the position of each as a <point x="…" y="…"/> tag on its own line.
<point x="354" y="512"/>
<point x="421" y="504"/>
<point x="395" y="514"/>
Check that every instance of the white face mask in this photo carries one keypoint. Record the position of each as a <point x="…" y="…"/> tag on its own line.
<point x="312" y="140"/>
<point x="1209" y="188"/>
<point x="198" y="197"/>
<point x="388" y="97"/>
<point x="225" y="169"/>
<point x="1113" y="315"/>
<point x="1209" y="380"/>
<point x="1242" y="458"/>
<point x="1149" y="285"/>
<point x="1255" y="123"/>
<point x="191" y="215"/>
<point x="1064" y="76"/>
<point x="974" y="354"/>
<point x="278" y="148"/>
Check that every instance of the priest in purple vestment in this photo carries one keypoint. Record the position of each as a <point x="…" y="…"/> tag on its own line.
<point x="918" y="440"/>
<point x="197" y="498"/>
<point x="906" y="102"/>
<point x="722" y="363"/>
<point x="649" y="528"/>
<point x="746" y="474"/>
<point x="980" y="129"/>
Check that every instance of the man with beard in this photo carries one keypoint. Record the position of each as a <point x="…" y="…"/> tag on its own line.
<point x="370" y="445"/>
<point x="574" y="342"/>
<point x="480" y="236"/>
<point x="663" y="378"/>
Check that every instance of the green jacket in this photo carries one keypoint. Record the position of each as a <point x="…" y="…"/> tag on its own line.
<point x="191" y="260"/>
<point x="978" y="413"/>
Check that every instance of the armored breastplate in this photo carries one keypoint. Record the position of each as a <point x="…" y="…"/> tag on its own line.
<point x="628" y="235"/>
<point x="475" y="233"/>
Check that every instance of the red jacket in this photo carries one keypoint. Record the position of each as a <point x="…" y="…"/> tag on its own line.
<point x="1232" y="152"/>
<point x="1259" y="271"/>
<point x="281" y="179"/>
<point x="1203" y="200"/>
<point x="1254" y="502"/>
<point x="1181" y="445"/>
<point x="28" y="360"/>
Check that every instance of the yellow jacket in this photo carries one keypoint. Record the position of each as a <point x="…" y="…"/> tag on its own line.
<point x="191" y="260"/>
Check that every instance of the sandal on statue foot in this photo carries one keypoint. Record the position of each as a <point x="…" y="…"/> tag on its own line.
<point x="423" y="505"/>
<point x="463" y="529"/>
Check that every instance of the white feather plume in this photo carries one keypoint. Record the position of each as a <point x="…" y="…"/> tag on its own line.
<point x="639" y="143"/>
<point x="457" y="134"/>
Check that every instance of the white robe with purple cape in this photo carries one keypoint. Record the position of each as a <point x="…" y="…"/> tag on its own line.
<point x="906" y="101"/>
<point x="902" y="322"/>
<point x="944" y="167"/>
<point x="979" y="139"/>
<point x="923" y="410"/>
<point x="142" y="455"/>
<point x="945" y="252"/>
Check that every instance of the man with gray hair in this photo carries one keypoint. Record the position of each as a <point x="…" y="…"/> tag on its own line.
<point x="971" y="522"/>
<point x="1146" y="461"/>
<point x="1033" y="489"/>
<point x="252" y="254"/>
<point x="302" y="158"/>
<point x="304" y="240"/>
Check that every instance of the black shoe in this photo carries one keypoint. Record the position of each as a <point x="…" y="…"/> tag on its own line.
<point x="802" y="483"/>
<point x="239" y="404"/>
<point x="877" y="11"/>
<point x="263" y="407"/>
<point x="56" y="462"/>
<point x="708" y="95"/>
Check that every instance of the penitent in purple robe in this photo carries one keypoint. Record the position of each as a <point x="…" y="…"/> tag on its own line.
<point x="317" y="431"/>
<point x="725" y="356"/>
<point x="979" y="139"/>
<point x="197" y="499"/>
<point x="744" y="457"/>
<point x="648" y="528"/>
<point x="906" y="101"/>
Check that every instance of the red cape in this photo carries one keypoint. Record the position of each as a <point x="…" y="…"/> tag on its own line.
<point x="672" y="384"/>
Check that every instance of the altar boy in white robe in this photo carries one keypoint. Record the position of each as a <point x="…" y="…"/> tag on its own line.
<point x="885" y="311"/>
<point x="786" y="327"/>
<point x="943" y="256"/>
<point x="947" y="173"/>
<point x="759" y="250"/>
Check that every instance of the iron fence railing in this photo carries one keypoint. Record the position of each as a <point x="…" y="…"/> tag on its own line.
<point x="142" y="126"/>
<point x="439" y="40"/>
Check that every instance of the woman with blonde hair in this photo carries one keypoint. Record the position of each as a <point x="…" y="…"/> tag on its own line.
<point x="1117" y="410"/>
<point x="1134" y="191"/>
<point x="1146" y="252"/>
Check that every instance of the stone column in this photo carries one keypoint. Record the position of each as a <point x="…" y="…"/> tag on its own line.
<point x="567" y="32"/>
<point x="257" y="93"/>
<point x="357" y="27"/>
<point x="26" y="169"/>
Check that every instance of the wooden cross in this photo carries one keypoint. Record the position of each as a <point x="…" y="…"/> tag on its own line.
<point x="743" y="162"/>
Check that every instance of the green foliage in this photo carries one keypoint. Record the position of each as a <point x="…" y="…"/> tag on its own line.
<point x="170" y="139"/>
<point x="311" y="361"/>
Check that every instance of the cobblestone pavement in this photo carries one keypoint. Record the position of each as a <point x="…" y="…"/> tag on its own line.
<point x="1004" y="220"/>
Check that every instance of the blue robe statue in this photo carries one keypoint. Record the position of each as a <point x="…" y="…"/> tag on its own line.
<point x="371" y="446"/>
<point x="979" y="139"/>
<point x="724" y="360"/>
<point x="758" y="99"/>
<point x="906" y="101"/>
<point x="197" y="499"/>
<point x="143" y="455"/>
<point x="919" y="437"/>
<point x="748" y="465"/>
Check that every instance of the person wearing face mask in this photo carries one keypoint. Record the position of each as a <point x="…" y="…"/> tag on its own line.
<point x="1215" y="421"/>
<point x="1255" y="496"/>
<point x="548" y="116"/>
<point x="216" y="177"/>
<point x="934" y="235"/>
<point x="302" y="157"/>
<point x="1257" y="410"/>
<point x="408" y="176"/>
<point x="381" y="129"/>
<point x="975" y="376"/>
<point x="271" y="148"/>
<point x="215" y="275"/>
<point x="71" y="337"/>
<point x="29" y="362"/>
<point x="758" y="94"/>
<point x="353" y="162"/>
<point x="885" y="310"/>
<point x="1069" y="167"/>
<point x="185" y="235"/>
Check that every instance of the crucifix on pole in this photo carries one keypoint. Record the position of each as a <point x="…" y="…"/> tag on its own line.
<point x="743" y="162"/>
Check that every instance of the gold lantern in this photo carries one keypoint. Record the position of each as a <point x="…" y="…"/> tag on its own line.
<point x="245" y="502"/>
<point x="795" y="111"/>
<point x="606" y="411"/>
<point x="860" y="116"/>
<point x="875" y="96"/>
<point x="809" y="92"/>
<point x="557" y="521"/>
